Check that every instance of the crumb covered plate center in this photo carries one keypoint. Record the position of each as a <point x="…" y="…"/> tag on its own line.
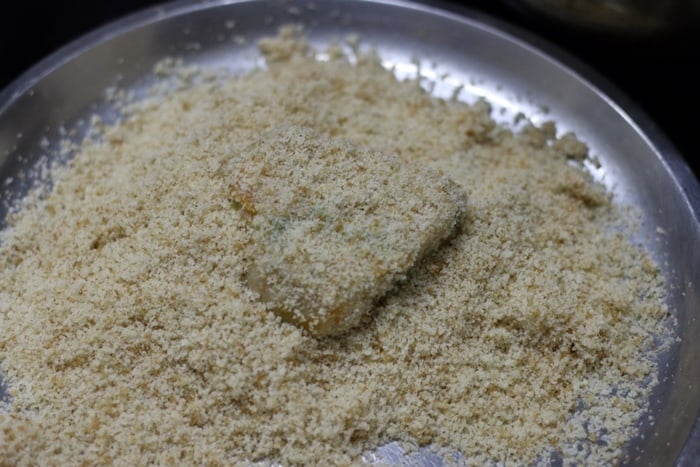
<point x="333" y="226"/>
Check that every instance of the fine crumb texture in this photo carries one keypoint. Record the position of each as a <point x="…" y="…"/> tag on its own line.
<point x="129" y="335"/>
<point x="334" y="226"/>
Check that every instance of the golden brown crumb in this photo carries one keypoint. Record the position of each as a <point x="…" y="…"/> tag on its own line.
<point x="129" y="335"/>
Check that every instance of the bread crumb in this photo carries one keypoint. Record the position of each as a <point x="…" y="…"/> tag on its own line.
<point x="334" y="226"/>
<point x="130" y="336"/>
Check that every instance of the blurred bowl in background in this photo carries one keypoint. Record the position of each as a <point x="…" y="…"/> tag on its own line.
<point x="622" y="17"/>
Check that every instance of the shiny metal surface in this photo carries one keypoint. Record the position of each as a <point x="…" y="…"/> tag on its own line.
<point x="517" y="73"/>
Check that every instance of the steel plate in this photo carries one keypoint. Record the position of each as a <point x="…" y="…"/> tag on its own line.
<point x="515" y="71"/>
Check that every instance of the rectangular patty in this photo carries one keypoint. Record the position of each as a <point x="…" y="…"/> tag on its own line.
<point x="334" y="226"/>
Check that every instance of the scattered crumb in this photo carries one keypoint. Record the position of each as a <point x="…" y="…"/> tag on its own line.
<point x="131" y="337"/>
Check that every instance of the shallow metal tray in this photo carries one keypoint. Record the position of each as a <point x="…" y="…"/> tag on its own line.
<point x="515" y="71"/>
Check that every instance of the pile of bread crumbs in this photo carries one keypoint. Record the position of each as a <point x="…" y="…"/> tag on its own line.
<point x="128" y="335"/>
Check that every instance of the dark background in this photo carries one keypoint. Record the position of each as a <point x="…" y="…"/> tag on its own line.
<point x="659" y="73"/>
